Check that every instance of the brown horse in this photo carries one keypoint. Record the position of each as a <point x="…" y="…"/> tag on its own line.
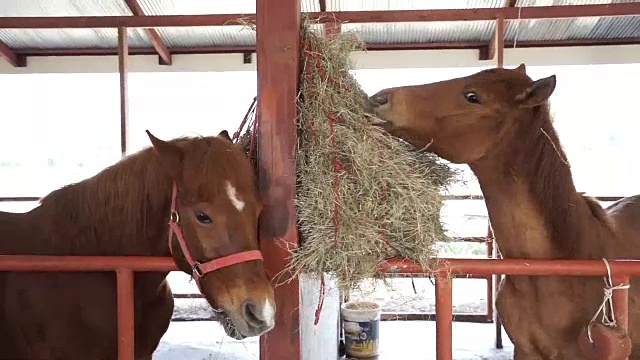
<point x="125" y="210"/>
<point x="497" y="121"/>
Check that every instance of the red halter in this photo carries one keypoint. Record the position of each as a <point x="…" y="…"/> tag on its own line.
<point x="198" y="269"/>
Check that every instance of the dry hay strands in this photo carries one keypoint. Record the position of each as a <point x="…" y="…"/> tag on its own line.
<point x="363" y="196"/>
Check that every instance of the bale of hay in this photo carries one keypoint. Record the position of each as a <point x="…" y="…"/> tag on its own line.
<point x="363" y="196"/>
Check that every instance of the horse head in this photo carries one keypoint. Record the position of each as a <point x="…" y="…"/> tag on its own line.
<point x="213" y="228"/>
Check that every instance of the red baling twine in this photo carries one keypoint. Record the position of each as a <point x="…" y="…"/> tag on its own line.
<point x="313" y="60"/>
<point x="312" y="54"/>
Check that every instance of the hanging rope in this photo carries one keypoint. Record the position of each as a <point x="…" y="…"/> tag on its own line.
<point x="607" y="303"/>
<point x="314" y="62"/>
<point x="249" y="115"/>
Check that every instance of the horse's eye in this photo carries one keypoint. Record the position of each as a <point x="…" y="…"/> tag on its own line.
<point x="203" y="218"/>
<point x="472" y="98"/>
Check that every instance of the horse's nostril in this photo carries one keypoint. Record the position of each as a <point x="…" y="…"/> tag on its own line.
<point x="251" y="315"/>
<point x="380" y="99"/>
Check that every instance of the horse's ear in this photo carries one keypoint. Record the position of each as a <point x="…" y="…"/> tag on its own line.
<point x="538" y="92"/>
<point x="170" y="155"/>
<point x="225" y="135"/>
<point x="521" y="69"/>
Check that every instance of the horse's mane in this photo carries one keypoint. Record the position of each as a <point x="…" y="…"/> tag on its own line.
<point x="542" y="160"/>
<point x="114" y="211"/>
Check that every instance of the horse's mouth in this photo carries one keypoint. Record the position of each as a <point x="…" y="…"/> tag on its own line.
<point x="228" y="326"/>
<point x="238" y="329"/>
<point x="376" y="120"/>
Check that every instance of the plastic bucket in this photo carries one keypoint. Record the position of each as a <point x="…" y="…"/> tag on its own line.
<point x="361" y="324"/>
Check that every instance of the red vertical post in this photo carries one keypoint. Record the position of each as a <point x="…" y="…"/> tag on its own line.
<point x="489" y="244"/>
<point x="498" y="47"/>
<point x="444" y="316"/>
<point x="126" y="336"/>
<point x="499" y="38"/>
<point x="278" y="58"/>
<point x="496" y="286"/>
<point x="123" y="70"/>
<point x="621" y="301"/>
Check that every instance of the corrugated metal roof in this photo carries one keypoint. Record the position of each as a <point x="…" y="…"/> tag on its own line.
<point x="525" y="3"/>
<point x="202" y="36"/>
<point x="387" y="33"/>
<point x="194" y="7"/>
<point x="422" y="32"/>
<point x="66" y="38"/>
<point x="569" y="29"/>
<point x="578" y="28"/>
<point x="69" y="38"/>
<point x="197" y="7"/>
<point x="440" y="32"/>
<point x="209" y="36"/>
<point x="63" y="8"/>
<point x="350" y="5"/>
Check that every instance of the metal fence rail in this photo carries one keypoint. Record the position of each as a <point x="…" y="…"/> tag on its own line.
<point x="621" y="271"/>
<point x="124" y="267"/>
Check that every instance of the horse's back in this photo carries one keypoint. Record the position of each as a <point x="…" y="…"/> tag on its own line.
<point x="625" y="214"/>
<point x="630" y="204"/>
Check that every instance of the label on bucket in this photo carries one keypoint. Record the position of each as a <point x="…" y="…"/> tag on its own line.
<point x="361" y="338"/>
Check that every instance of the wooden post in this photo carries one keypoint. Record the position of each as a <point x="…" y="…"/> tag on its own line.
<point x="499" y="55"/>
<point x="499" y="38"/>
<point x="123" y="69"/>
<point x="278" y="56"/>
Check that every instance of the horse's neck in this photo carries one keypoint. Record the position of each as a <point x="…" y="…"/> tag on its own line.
<point x="40" y="232"/>
<point x="516" y="220"/>
<point x="535" y="210"/>
<point x="76" y="221"/>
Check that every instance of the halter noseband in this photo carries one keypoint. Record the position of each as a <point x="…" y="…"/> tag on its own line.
<point x="200" y="269"/>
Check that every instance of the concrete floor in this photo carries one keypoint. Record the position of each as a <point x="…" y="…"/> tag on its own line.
<point x="407" y="340"/>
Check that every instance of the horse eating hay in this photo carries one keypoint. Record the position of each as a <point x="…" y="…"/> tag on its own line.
<point x="498" y="122"/>
<point x="202" y="189"/>
<point x="363" y="196"/>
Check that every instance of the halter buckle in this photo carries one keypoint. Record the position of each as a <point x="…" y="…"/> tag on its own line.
<point x="197" y="270"/>
<point x="174" y="217"/>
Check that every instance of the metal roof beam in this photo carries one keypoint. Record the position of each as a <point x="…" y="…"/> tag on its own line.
<point x="14" y="59"/>
<point x="487" y="14"/>
<point x="370" y="47"/>
<point x="501" y="26"/>
<point x="156" y="40"/>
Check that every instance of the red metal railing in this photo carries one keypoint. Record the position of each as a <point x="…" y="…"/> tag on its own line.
<point x="124" y="267"/>
<point x="492" y="280"/>
<point x="621" y="271"/>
